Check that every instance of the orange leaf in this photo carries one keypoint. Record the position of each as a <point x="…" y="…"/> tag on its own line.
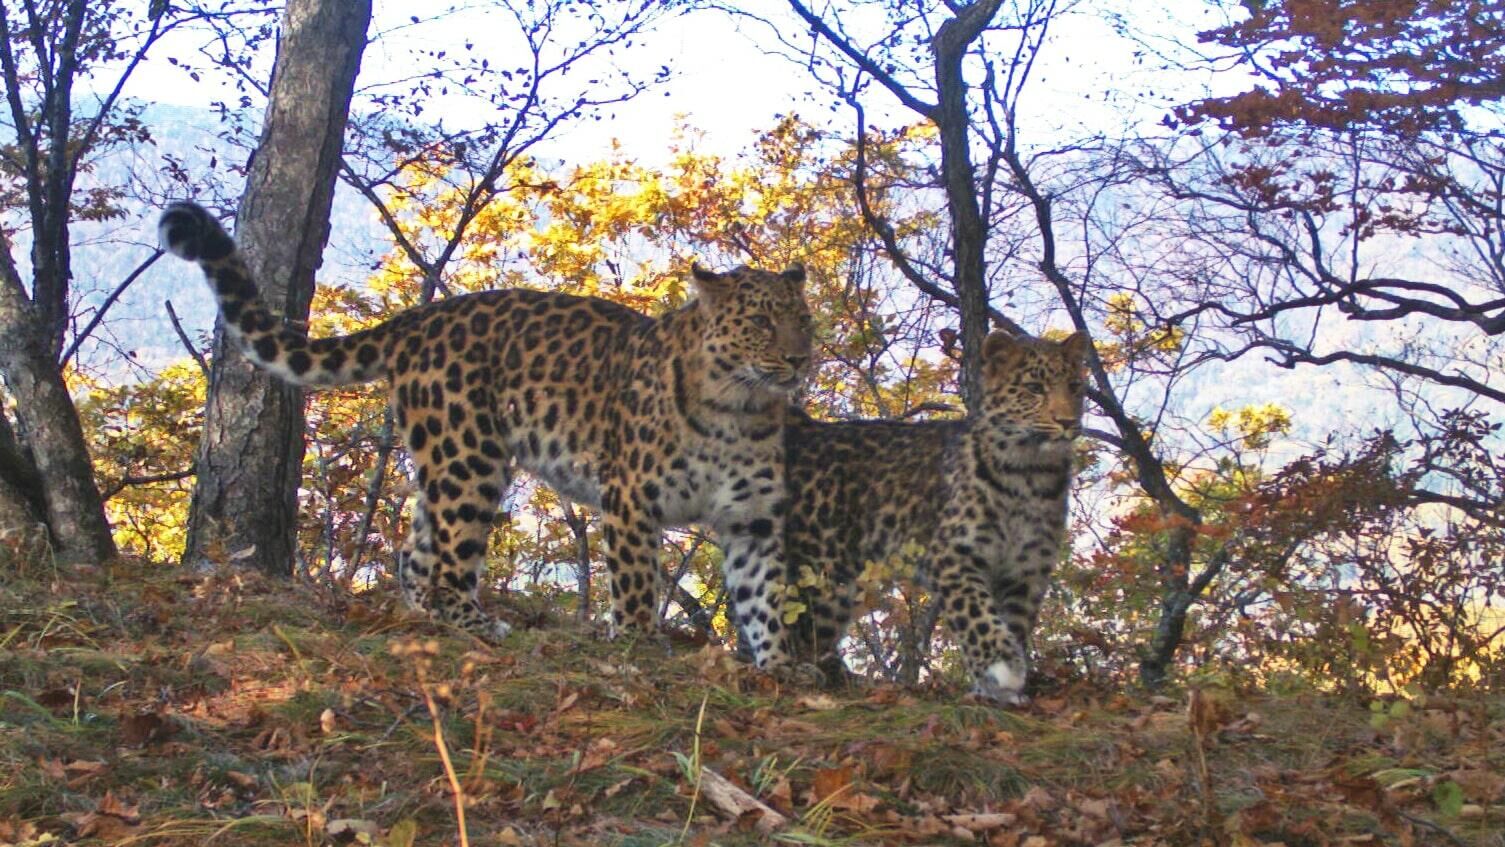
<point x="829" y="781"/>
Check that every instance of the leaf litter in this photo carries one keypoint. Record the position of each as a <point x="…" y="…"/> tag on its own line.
<point x="228" y="709"/>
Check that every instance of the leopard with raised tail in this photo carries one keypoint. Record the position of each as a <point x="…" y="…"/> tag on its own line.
<point x="657" y="421"/>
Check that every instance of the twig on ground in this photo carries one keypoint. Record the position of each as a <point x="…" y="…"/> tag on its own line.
<point x="449" y="766"/>
<point x="1433" y="826"/>
<point x="734" y="802"/>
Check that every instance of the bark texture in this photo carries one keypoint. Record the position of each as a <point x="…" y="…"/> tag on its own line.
<point x="969" y="234"/>
<point x="50" y="454"/>
<point x="250" y="460"/>
<point x="58" y="454"/>
<point x="22" y="504"/>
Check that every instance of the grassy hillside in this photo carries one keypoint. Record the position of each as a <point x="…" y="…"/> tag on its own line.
<point x="143" y="705"/>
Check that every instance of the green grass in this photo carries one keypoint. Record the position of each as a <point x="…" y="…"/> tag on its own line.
<point x="285" y="715"/>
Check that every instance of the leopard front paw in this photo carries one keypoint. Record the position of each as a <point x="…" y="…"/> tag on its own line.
<point x="1002" y="683"/>
<point x="637" y="631"/>
<point x="499" y="630"/>
<point x="799" y="674"/>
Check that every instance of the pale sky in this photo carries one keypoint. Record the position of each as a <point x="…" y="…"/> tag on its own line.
<point x="726" y="86"/>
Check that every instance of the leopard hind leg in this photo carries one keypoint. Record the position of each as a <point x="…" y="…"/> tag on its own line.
<point x="462" y="473"/>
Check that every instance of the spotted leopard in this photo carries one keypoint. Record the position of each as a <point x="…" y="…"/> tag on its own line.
<point x="984" y="497"/>
<point x="655" y="421"/>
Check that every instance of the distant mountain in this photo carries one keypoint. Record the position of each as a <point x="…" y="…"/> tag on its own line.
<point x="104" y="254"/>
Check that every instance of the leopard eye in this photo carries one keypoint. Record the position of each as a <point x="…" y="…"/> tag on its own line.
<point x="762" y="322"/>
<point x="1034" y="388"/>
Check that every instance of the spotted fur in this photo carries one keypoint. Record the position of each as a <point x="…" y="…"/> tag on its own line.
<point x="655" y="421"/>
<point x="984" y="498"/>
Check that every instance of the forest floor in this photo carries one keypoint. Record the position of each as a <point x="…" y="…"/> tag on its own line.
<point x="142" y="705"/>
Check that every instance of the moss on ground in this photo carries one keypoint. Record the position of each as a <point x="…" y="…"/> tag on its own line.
<point x="143" y="705"/>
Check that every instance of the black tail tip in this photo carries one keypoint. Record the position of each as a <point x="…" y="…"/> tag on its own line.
<point x="188" y="231"/>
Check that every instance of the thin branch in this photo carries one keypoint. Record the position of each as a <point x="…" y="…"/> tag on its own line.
<point x="1292" y="356"/>
<point x="869" y="66"/>
<point x="99" y="315"/>
<point x="177" y="326"/>
<point x="925" y="408"/>
<point x="885" y="232"/>
<point x="146" y="479"/>
<point x="373" y="492"/>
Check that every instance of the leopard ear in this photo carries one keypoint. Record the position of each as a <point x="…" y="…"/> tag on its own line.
<point x="998" y="345"/>
<point x="795" y="273"/>
<point x="709" y="284"/>
<point x="1075" y="346"/>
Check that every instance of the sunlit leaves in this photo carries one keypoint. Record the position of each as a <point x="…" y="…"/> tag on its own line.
<point x="1255" y="426"/>
<point x="143" y="437"/>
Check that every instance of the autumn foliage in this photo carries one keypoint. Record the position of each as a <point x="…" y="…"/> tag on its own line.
<point x="142" y="705"/>
<point x="1402" y="67"/>
<point x="1308" y="570"/>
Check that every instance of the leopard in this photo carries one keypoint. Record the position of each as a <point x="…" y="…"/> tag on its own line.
<point x="654" y="421"/>
<point x="979" y="503"/>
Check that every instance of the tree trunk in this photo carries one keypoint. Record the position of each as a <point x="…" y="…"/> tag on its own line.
<point x="59" y="454"/>
<point x="581" y="530"/>
<point x="1176" y="598"/>
<point x="969" y="235"/>
<point x="251" y="456"/>
<point x="22" y="503"/>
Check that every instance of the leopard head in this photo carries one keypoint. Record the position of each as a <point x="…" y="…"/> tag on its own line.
<point x="1034" y="386"/>
<point x="758" y="330"/>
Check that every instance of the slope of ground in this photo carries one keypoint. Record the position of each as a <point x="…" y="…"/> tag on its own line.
<point x="143" y="705"/>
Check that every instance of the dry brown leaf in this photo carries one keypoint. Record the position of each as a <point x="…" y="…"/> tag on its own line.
<point x="244" y="780"/>
<point x="1038" y="798"/>
<point x="829" y="781"/>
<point x="982" y="821"/>
<point x="856" y="801"/>
<point x="1479" y="784"/>
<point x="615" y="788"/>
<point x="817" y="702"/>
<point x="18" y="833"/>
<point x="141" y="730"/>
<point x="107" y="828"/>
<point x="112" y="820"/>
<point x="600" y="752"/>
<point x="567" y="702"/>
<point x="1206" y="711"/>
<point x="81" y="771"/>
<point x="116" y="807"/>
<point x="1094" y="807"/>
<point x="781" y="796"/>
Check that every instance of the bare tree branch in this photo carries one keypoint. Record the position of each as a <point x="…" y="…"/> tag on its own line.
<point x="99" y="314"/>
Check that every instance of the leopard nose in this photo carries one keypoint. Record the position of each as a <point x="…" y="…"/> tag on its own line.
<point x="1068" y="424"/>
<point x="797" y="360"/>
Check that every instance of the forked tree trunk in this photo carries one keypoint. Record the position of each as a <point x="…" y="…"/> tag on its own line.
<point x="22" y="504"/>
<point x="45" y="154"/>
<point x="250" y="460"/>
<point x="58" y="466"/>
